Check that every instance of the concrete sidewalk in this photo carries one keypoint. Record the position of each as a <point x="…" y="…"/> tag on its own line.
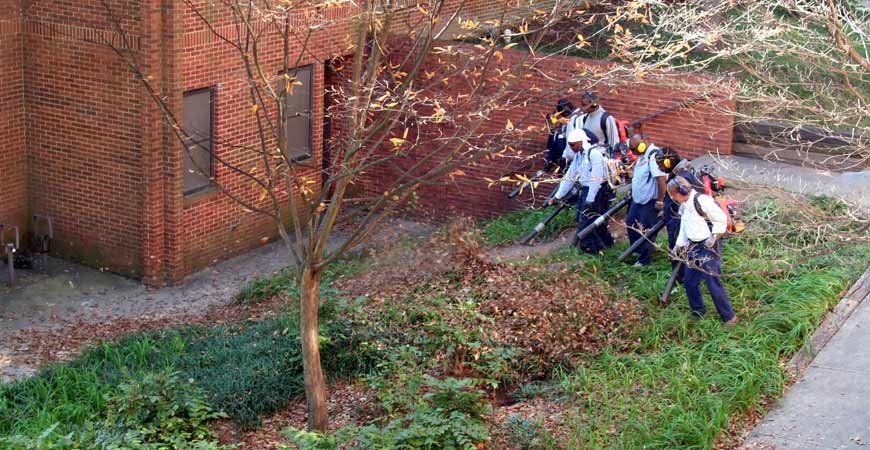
<point x="829" y="406"/>
<point x="852" y="187"/>
<point x="70" y="293"/>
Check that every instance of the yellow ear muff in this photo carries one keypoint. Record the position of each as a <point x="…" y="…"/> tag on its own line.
<point x="641" y="147"/>
<point x="667" y="163"/>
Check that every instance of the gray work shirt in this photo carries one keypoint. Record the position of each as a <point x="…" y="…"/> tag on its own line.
<point x="644" y="186"/>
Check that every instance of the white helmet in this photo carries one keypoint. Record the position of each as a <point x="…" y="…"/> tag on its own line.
<point x="578" y="135"/>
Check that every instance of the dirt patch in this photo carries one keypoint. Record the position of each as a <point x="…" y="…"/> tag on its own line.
<point x="37" y="347"/>
<point x="547" y="317"/>
<point x="524" y="424"/>
<point x="396" y="267"/>
<point x="739" y="427"/>
<point x="518" y="252"/>
<point x="354" y="404"/>
<point x="347" y="404"/>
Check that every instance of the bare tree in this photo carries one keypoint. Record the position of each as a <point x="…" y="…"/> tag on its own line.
<point x="801" y="66"/>
<point x="404" y="92"/>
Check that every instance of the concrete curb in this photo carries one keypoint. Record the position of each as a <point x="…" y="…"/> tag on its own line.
<point x="832" y="322"/>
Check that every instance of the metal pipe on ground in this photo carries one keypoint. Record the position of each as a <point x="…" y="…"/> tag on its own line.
<point x="602" y="219"/>
<point x="669" y="286"/>
<point x="542" y="224"/>
<point x="10" y="247"/>
<point x="647" y="237"/>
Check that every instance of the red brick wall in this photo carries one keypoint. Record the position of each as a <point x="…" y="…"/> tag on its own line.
<point x="693" y="131"/>
<point x="84" y="134"/>
<point x="214" y="226"/>
<point x="96" y="155"/>
<point x="160" y="170"/>
<point x="13" y="163"/>
<point x="103" y="164"/>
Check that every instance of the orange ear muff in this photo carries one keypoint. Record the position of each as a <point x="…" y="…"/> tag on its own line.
<point x="641" y="147"/>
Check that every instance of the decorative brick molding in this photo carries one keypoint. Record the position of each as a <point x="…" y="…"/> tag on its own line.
<point x="202" y="35"/>
<point x="10" y="27"/>
<point x="61" y="31"/>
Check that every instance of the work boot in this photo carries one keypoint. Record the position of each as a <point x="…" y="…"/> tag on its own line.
<point x="731" y="323"/>
<point x="590" y="250"/>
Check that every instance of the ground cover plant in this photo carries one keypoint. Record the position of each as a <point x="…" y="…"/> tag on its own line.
<point x="686" y="382"/>
<point x="504" y="230"/>
<point x="560" y="351"/>
<point x="240" y="370"/>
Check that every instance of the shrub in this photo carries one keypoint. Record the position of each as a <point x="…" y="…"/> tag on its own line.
<point x="47" y="440"/>
<point x="264" y="288"/>
<point x="245" y="370"/>
<point x="424" y="413"/>
<point x="155" y="411"/>
<point x="146" y="411"/>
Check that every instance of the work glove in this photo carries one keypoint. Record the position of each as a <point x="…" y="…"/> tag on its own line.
<point x="710" y="242"/>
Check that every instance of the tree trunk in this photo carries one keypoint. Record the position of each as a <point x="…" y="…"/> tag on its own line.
<point x="315" y="383"/>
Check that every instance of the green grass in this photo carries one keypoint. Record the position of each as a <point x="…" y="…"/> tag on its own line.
<point x="683" y="381"/>
<point x="284" y="282"/>
<point x="244" y="370"/>
<point x="677" y="385"/>
<point x="511" y="226"/>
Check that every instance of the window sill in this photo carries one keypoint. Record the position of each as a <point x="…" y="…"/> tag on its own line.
<point x="200" y="196"/>
<point x="305" y="161"/>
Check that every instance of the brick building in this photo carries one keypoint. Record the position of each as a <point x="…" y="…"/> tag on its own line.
<point x="82" y="143"/>
<point x="701" y="127"/>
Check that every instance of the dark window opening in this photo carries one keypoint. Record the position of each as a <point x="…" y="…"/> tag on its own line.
<point x="298" y="114"/>
<point x="198" y="157"/>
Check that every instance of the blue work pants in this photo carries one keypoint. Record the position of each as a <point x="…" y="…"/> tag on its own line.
<point x="599" y="239"/>
<point x="705" y="264"/>
<point x="640" y="218"/>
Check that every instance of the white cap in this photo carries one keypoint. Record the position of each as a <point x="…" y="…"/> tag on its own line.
<point x="577" y="135"/>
